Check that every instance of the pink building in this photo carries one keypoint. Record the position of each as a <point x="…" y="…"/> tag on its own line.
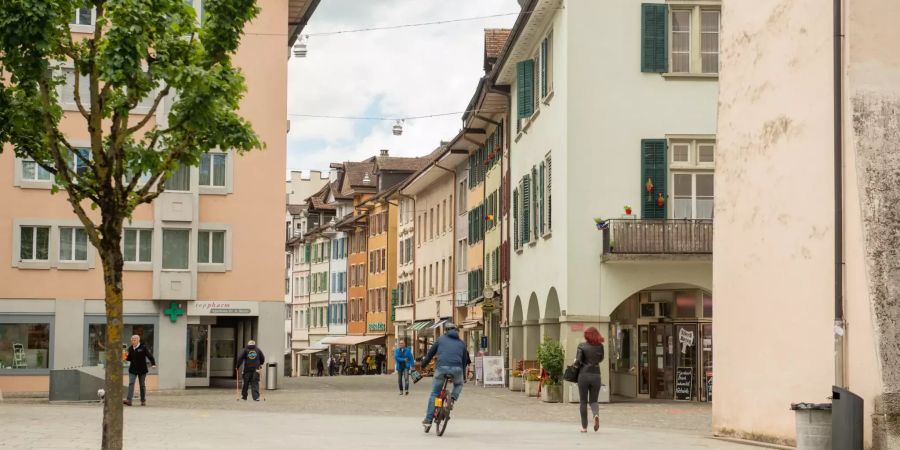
<point x="204" y="263"/>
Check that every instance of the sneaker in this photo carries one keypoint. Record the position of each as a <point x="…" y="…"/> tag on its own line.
<point x="401" y="393"/>
<point x="244" y="398"/>
<point x="407" y="392"/>
<point x="255" y="399"/>
<point x="143" y="403"/>
<point x="127" y="402"/>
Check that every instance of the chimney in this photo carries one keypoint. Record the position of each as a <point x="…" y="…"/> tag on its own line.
<point x="384" y="152"/>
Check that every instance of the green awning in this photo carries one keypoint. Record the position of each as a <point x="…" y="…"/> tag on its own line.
<point x="420" y="325"/>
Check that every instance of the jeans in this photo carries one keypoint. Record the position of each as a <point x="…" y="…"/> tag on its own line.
<point x="141" y="378"/>
<point x="588" y="391"/>
<point x="438" y="383"/>
<point x="251" y="380"/>
<point x="403" y="379"/>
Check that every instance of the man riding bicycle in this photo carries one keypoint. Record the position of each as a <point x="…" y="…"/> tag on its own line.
<point x="452" y="360"/>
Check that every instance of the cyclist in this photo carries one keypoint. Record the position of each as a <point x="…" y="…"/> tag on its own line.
<point x="452" y="359"/>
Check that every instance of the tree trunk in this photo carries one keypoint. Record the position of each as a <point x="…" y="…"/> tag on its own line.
<point x="112" y="259"/>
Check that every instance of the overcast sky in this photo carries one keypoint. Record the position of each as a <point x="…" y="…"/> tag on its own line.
<point x="390" y="73"/>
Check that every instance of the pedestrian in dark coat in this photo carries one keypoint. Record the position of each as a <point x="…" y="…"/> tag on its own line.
<point x="137" y="355"/>
<point x="252" y="359"/>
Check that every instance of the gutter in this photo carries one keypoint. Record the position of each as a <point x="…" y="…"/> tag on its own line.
<point x="839" y="350"/>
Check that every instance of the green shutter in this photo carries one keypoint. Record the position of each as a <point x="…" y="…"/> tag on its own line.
<point x="308" y="250"/>
<point x="654" y="45"/>
<point x="525" y="88"/>
<point x="653" y="167"/>
<point x="518" y="219"/>
<point x="526" y="208"/>
<point x="544" y="52"/>
<point x="541" y="190"/>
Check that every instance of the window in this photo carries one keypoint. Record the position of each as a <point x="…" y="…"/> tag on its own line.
<point x="34" y="243"/>
<point x="138" y="245"/>
<point x="693" y="195"/>
<point x="72" y="244"/>
<point x="179" y="180"/>
<point x="176" y="249"/>
<point x="461" y="198"/>
<point x="96" y="345"/>
<point x="84" y="16"/>
<point x="431" y="224"/>
<point x="524" y="90"/>
<point x="24" y="346"/>
<point x="709" y="41"/>
<point x="67" y="90"/>
<point x="706" y="153"/>
<point x="681" y="41"/>
<point x="211" y="247"/>
<point x="212" y="169"/>
<point x="444" y="218"/>
<point x="546" y="66"/>
<point x="31" y="171"/>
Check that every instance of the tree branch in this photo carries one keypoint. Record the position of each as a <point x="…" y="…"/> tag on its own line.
<point x="162" y="93"/>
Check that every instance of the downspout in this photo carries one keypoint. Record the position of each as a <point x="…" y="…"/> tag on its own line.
<point x="839" y="351"/>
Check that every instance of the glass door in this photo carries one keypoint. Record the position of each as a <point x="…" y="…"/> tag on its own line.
<point x="197" y="356"/>
<point x="706" y="359"/>
<point x="662" y="373"/>
<point x="644" y="361"/>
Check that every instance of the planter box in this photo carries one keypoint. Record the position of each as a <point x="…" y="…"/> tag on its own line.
<point x="552" y="394"/>
<point x="531" y="388"/>
<point x="517" y="384"/>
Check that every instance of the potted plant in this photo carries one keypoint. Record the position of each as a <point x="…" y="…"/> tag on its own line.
<point x="516" y="382"/>
<point x="602" y="223"/>
<point x="532" y="382"/>
<point x="551" y="356"/>
<point x="627" y="210"/>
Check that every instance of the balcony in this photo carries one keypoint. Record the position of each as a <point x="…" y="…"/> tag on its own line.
<point x="658" y="237"/>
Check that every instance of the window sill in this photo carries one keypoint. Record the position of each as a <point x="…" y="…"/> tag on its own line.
<point x="527" y="124"/>
<point x="547" y="235"/>
<point x="696" y="76"/>
<point x="74" y="265"/>
<point x="532" y="243"/>
<point x="81" y="28"/>
<point x="138" y="267"/>
<point x="214" y="190"/>
<point x="32" y="184"/>
<point x="36" y="265"/>
<point x="519" y="250"/>
<point x="548" y="97"/>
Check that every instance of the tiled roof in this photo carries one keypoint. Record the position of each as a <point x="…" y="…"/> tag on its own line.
<point x="319" y="200"/>
<point x="402" y="164"/>
<point x="295" y="209"/>
<point x="355" y="173"/>
<point x="494" y="38"/>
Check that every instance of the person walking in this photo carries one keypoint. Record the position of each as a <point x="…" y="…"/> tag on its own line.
<point x="332" y="366"/>
<point x="138" y="354"/>
<point x="370" y="365"/>
<point x="320" y="368"/>
<point x="252" y="359"/>
<point x="589" y="355"/>
<point x="403" y="361"/>
<point x="379" y="363"/>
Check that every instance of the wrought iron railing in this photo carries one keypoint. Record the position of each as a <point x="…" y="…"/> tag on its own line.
<point x="657" y="236"/>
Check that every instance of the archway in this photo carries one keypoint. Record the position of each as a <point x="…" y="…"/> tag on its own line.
<point x="532" y="330"/>
<point x="516" y="335"/>
<point x="550" y="321"/>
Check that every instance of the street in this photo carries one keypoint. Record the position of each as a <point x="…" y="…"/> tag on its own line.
<point x="354" y="412"/>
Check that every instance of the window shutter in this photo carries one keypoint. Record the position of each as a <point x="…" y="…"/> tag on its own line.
<point x="526" y="208"/>
<point x="654" y="45"/>
<point x="544" y="49"/>
<point x="497" y="266"/>
<point x="549" y="195"/>
<point x="517" y="218"/>
<point x="542" y="199"/>
<point x="525" y="88"/>
<point x="653" y="167"/>
<point x="308" y="251"/>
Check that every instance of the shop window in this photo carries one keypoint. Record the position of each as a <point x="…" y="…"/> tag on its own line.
<point x="707" y="305"/>
<point x="24" y="346"/>
<point x="685" y="304"/>
<point x="96" y="345"/>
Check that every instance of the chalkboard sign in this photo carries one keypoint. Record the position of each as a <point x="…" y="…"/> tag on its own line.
<point x="684" y="383"/>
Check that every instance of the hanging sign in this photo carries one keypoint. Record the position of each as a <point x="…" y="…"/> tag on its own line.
<point x="684" y="383"/>
<point x="686" y="339"/>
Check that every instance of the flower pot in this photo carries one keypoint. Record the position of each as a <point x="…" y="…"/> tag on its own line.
<point x="552" y="393"/>
<point x="531" y="388"/>
<point x="517" y="384"/>
<point x="602" y="225"/>
<point x="628" y="212"/>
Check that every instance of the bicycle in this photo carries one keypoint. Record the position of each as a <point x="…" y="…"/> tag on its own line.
<point x="443" y="404"/>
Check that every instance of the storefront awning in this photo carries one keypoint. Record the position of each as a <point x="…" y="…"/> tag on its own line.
<point x="468" y="325"/>
<point x="420" y="325"/>
<point x="438" y="325"/>
<point x="348" y="340"/>
<point x="311" y="351"/>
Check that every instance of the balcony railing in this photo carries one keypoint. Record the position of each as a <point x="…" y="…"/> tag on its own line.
<point x="658" y="236"/>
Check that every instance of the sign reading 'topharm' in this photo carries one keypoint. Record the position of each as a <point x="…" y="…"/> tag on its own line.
<point x="222" y="308"/>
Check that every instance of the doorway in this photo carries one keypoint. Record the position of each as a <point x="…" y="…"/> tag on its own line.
<point x="662" y="369"/>
<point x="197" y="356"/>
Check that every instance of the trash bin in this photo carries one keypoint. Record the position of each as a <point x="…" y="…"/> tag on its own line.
<point x="813" y="421"/>
<point x="271" y="376"/>
<point x="846" y="419"/>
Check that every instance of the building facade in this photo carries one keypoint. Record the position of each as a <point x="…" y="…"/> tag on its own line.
<point x="777" y="111"/>
<point x="187" y="255"/>
<point x="628" y="150"/>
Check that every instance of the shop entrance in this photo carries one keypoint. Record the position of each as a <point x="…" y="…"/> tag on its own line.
<point x="213" y="346"/>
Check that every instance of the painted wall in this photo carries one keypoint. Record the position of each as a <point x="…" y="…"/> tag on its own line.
<point x="436" y="248"/>
<point x="775" y="122"/>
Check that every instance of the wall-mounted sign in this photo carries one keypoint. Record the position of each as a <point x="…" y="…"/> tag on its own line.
<point x="686" y="339"/>
<point x="223" y="308"/>
<point x="377" y="326"/>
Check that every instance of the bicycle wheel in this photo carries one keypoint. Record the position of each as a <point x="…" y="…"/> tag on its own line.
<point x="443" y="418"/>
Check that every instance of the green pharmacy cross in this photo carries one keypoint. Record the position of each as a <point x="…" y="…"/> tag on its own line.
<point x="173" y="311"/>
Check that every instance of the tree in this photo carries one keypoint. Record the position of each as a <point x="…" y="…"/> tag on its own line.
<point x="151" y="51"/>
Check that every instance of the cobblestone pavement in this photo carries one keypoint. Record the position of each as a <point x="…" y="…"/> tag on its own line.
<point x="350" y="412"/>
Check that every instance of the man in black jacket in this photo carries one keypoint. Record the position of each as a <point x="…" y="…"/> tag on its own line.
<point x="137" y="355"/>
<point x="253" y="359"/>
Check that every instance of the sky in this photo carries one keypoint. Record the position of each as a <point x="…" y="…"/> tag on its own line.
<point x="388" y="73"/>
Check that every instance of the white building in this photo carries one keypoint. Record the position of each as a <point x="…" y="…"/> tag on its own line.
<point x="606" y="96"/>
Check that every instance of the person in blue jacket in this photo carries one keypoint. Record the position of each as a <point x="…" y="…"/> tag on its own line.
<point x="403" y="362"/>
<point x="452" y="359"/>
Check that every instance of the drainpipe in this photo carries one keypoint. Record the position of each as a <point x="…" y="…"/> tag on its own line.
<point x="838" y="201"/>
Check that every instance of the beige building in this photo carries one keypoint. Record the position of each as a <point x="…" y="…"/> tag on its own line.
<point x="776" y="286"/>
<point x="188" y="256"/>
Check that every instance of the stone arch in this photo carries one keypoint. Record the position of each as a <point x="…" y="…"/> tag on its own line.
<point x="629" y="281"/>
<point x="516" y="334"/>
<point x="517" y="318"/>
<point x="531" y="328"/>
<point x="534" y="310"/>
<point x="550" y="321"/>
